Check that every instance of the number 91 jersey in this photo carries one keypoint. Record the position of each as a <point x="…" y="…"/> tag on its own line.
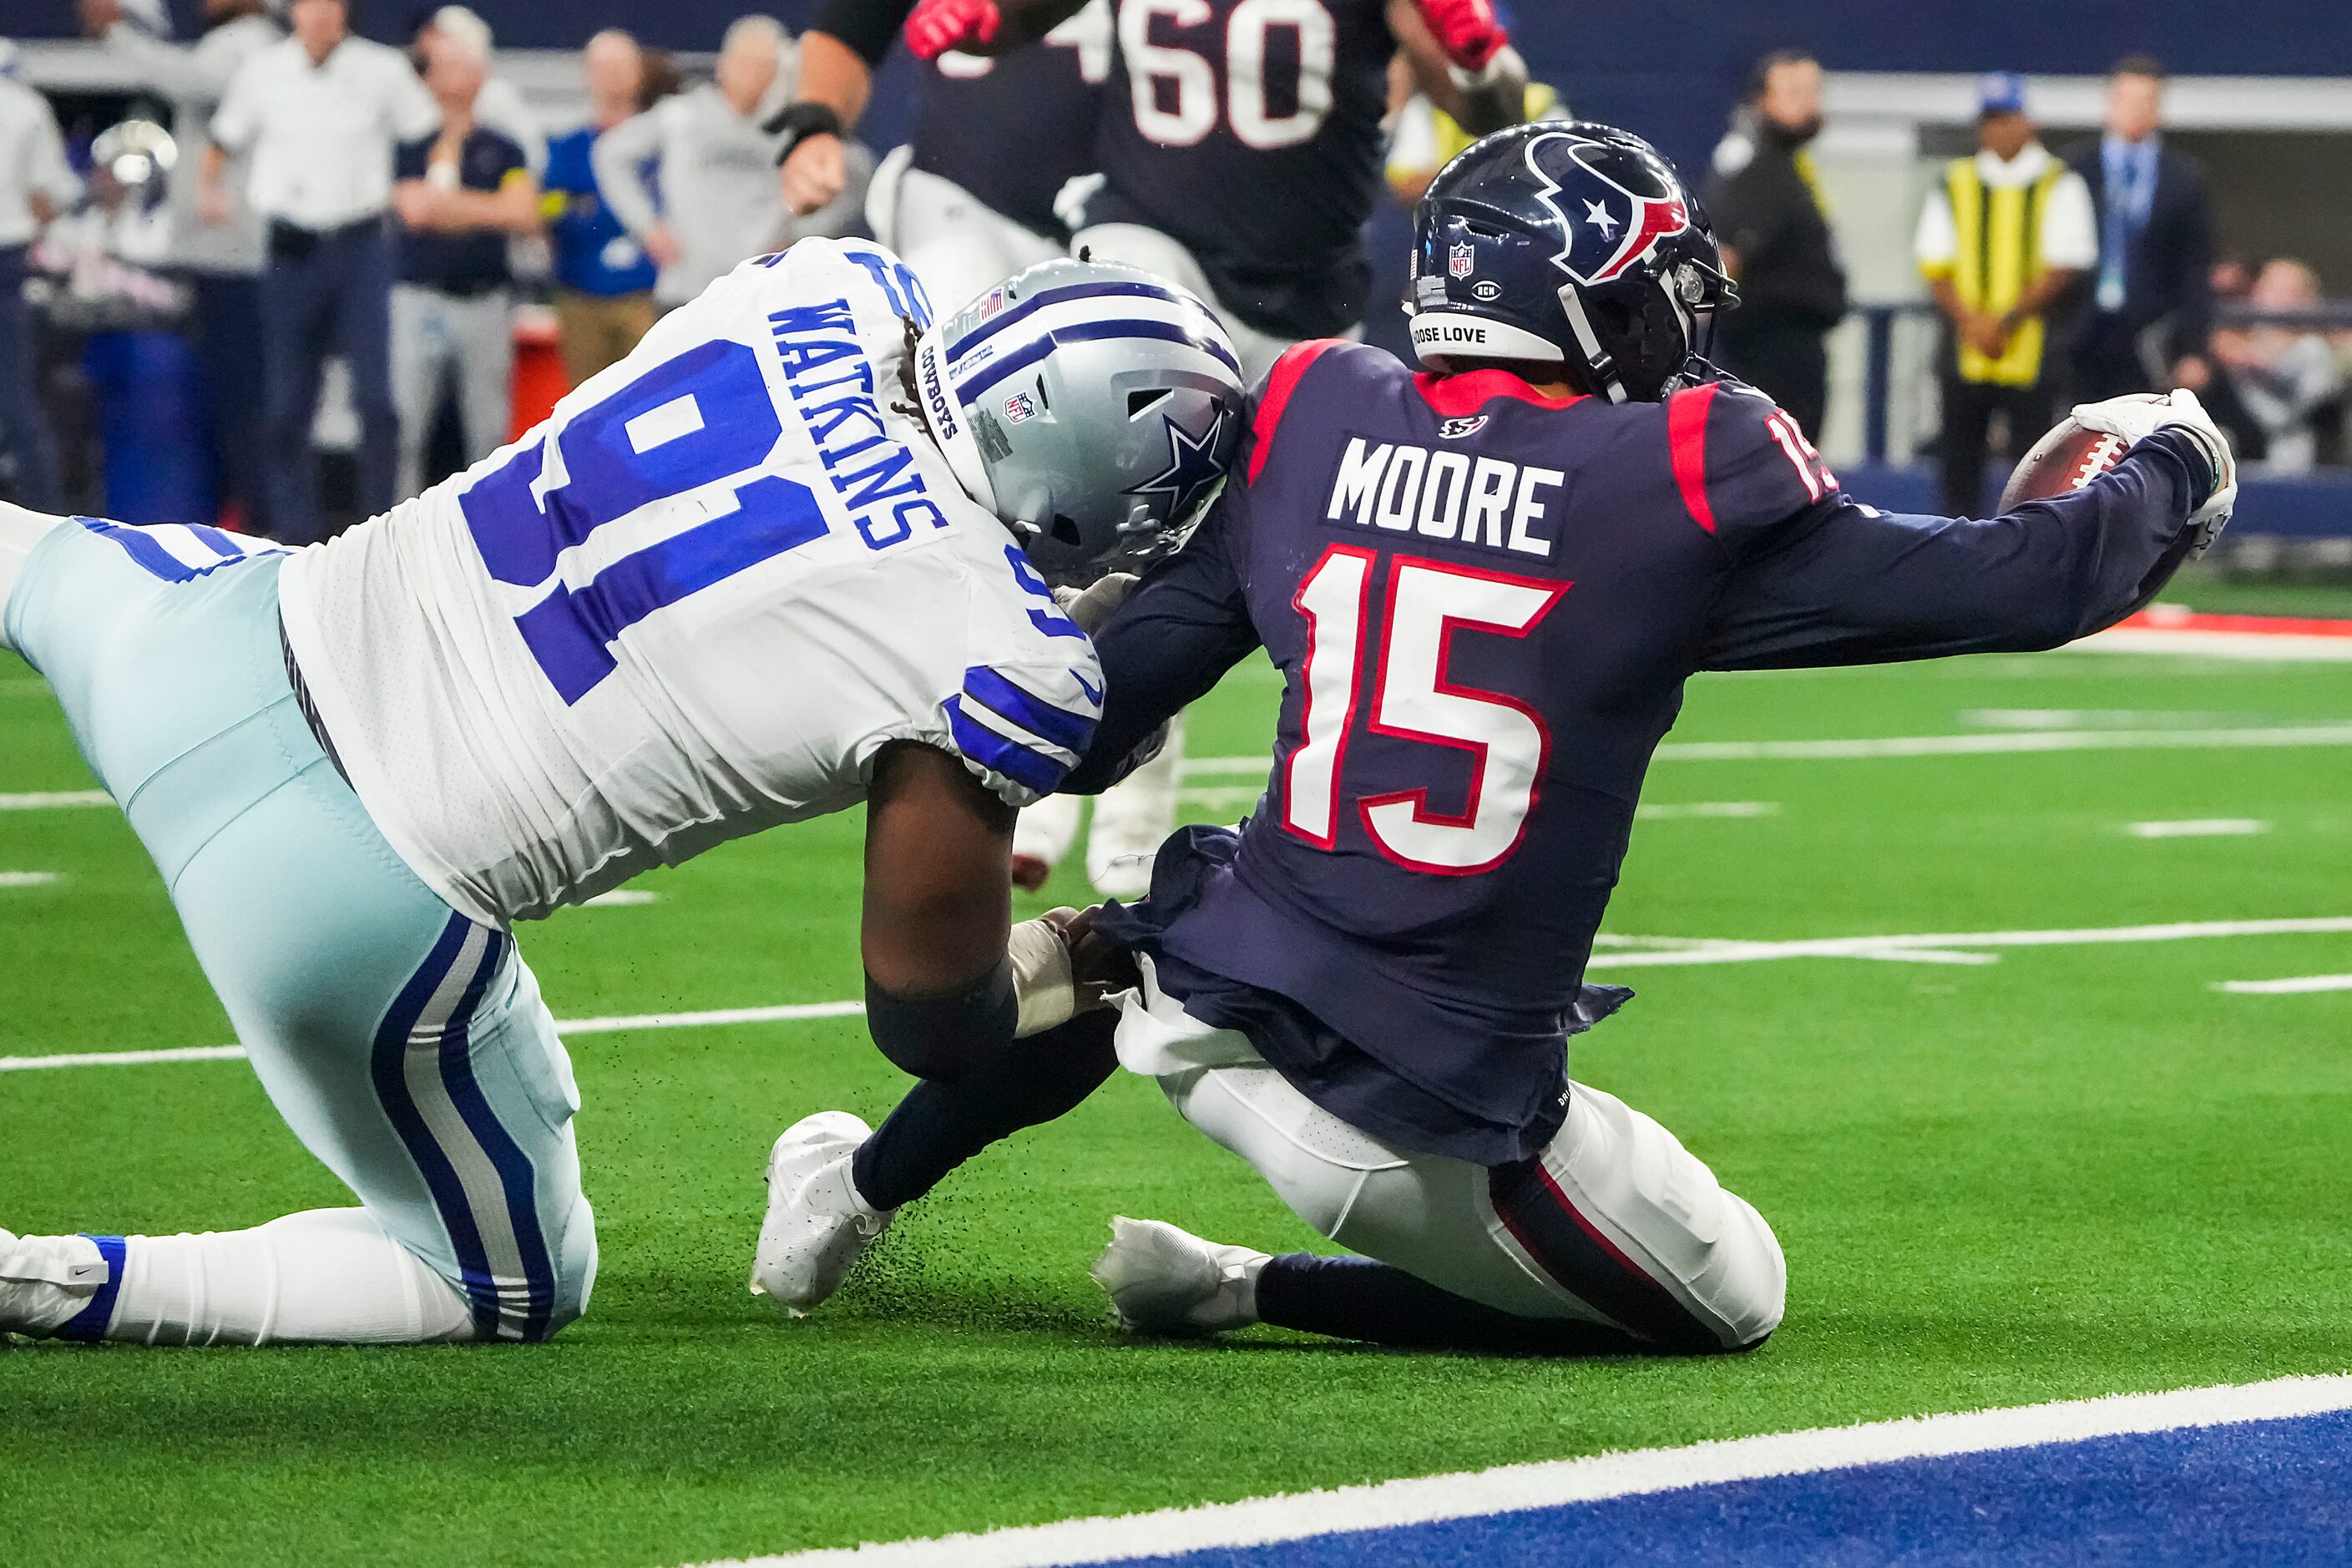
<point x="694" y="604"/>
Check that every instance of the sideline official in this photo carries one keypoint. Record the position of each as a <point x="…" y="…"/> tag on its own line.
<point x="2002" y="237"/>
<point x="321" y="114"/>
<point x="1772" y="220"/>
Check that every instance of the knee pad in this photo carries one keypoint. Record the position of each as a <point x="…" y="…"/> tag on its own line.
<point x="576" y="1269"/>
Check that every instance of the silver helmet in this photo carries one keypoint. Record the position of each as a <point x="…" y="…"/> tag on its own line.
<point x="1094" y="408"/>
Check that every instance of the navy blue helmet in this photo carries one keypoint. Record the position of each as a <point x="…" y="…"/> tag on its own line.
<point x="1572" y="244"/>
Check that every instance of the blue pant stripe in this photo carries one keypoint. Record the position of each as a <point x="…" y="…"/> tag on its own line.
<point x="389" y="1068"/>
<point x="515" y="1178"/>
<point x="158" y="561"/>
<point x="214" y="540"/>
<point x="89" y="1325"/>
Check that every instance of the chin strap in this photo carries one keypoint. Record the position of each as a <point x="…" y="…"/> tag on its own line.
<point x="1600" y="369"/>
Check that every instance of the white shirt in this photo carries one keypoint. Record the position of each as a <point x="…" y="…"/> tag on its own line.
<point x="2070" y="229"/>
<point x="693" y="604"/>
<point x="194" y="77"/>
<point x="323" y="136"/>
<point x="32" y="160"/>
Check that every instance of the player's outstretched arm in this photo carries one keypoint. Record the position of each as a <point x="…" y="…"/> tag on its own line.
<point x="940" y="991"/>
<point x="1481" y="99"/>
<point x="1843" y="584"/>
<point x="1183" y="626"/>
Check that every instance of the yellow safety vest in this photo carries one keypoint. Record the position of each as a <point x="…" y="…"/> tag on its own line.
<point x="1999" y="257"/>
<point x="1453" y="141"/>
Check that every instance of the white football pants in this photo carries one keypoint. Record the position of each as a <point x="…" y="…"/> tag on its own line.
<point x="1615" y="1224"/>
<point x="956" y="243"/>
<point x="1156" y="252"/>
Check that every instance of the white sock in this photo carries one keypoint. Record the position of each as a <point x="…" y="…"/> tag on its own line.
<point x="20" y="531"/>
<point x="328" y="1277"/>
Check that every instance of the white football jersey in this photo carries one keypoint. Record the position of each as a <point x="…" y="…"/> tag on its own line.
<point x="692" y="605"/>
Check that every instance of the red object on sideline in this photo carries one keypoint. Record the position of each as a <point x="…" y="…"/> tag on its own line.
<point x="539" y="378"/>
<point x="2165" y="619"/>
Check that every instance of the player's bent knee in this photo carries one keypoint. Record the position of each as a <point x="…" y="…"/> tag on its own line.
<point x="576" y="1272"/>
<point x="1750" y="1295"/>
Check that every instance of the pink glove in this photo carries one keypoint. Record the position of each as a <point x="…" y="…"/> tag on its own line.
<point x="936" y="26"/>
<point x="1468" y="30"/>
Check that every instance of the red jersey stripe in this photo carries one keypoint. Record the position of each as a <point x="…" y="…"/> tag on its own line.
<point x="1686" y="415"/>
<point x="1456" y="397"/>
<point x="1280" y="383"/>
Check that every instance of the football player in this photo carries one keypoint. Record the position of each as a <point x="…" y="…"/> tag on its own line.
<point x="783" y="559"/>
<point x="1486" y="586"/>
<point x="971" y="198"/>
<point x="1240" y="153"/>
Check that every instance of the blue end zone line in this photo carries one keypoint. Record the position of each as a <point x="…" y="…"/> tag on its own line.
<point x="1511" y="1489"/>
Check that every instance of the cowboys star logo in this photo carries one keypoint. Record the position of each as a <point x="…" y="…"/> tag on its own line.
<point x="1628" y="203"/>
<point x="1194" y="468"/>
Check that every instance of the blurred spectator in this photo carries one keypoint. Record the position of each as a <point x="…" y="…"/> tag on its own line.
<point x="322" y="113"/>
<point x="2000" y="239"/>
<point x="2285" y="378"/>
<point x="1773" y="219"/>
<point x="501" y="104"/>
<point x="461" y="192"/>
<point x="721" y="200"/>
<point x="604" y="282"/>
<point x="35" y="187"/>
<point x="221" y="261"/>
<point x="2152" y="312"/>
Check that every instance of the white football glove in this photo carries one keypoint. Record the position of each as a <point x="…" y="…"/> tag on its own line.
<point x="2134" y="416"/>
<point x="2137" y="417"/>
<point x="1093" y="608"/>
<point x="1043" y="980"/>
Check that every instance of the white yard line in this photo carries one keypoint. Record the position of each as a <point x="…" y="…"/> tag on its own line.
<point x="2199" y="827"/>
<point x="2291" y="648"/>
<point x="1953" y="944"/>
<point x="1611" y="953"/>
<point x="54" y="800"/>
<point x="2301" y="985"/>
<point x="1679" y="810"/>
<point x="621" y="898"/>
<point x="1996" y="744"/>
<point x="1514" y="1488"/>
<point x="26" y="879"/>
<point x="794" y="1013"/>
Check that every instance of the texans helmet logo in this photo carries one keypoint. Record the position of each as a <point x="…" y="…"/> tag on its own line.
<point x="1613" y="204"/>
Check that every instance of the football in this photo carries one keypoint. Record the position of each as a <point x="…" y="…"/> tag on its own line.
<point x="2067" y="459"/>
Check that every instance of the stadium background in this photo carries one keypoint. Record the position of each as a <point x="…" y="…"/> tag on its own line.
<point x="2093" y="1147"/>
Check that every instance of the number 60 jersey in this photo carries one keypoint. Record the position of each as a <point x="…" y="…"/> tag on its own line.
<point x="694" y="604"/>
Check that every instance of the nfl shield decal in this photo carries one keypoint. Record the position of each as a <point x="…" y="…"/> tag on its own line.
<point x="1463" y="261"/>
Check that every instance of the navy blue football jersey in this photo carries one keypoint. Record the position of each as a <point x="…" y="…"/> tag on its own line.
<point x="1485" y="603"/>
<point x="1250" y="128"/>
<point x="1013" y="130"/>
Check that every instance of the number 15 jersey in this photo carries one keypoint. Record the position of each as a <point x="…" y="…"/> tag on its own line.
<point x="1483" y="603"/>
<point x="695" y="604"/>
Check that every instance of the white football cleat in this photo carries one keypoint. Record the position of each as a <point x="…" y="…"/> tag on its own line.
<point x="817" y="1226"/>
<point x="47" y="1280"/>
<point x="1163" y="1280"/>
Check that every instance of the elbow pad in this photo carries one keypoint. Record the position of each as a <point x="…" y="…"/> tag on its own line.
<point x="946" y="1037"/>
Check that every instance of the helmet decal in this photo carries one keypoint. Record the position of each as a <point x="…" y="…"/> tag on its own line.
<point x="1623" y="223"/>
<point x="1194" y="466"/>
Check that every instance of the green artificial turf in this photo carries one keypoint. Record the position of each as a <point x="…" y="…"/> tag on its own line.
<point x="2075" y="1171"/>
